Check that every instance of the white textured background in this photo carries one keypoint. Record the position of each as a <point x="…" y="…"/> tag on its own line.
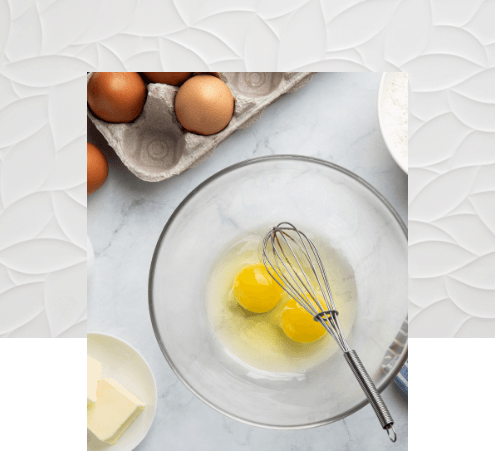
<point x="47" y="46"/>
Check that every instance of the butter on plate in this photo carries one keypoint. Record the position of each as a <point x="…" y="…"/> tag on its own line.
<point x="113" y="412"/>
<point x="94" y="375"/>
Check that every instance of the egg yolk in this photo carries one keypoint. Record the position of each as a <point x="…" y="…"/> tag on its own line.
<point x="255" y="289"/>
<point x="299" y="324"/>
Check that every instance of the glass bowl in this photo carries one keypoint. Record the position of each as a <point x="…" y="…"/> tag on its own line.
<point x="316" y="196"/>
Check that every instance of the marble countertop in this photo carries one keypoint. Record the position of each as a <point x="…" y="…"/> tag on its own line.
<point x="334" y="118"/>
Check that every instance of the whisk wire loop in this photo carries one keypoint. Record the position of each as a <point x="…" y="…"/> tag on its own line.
<point x="308" y="289"/>
<point x="288" y="268"/>
<point x="327" y="292"/>
<point x="307" y="254"/>
<point x="289" y="287"/>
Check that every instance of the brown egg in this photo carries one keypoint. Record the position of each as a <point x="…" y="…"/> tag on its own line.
<point x="169" y="78"/>
<point x="97" y="168"/>
<point x="116" y="96"/>
<point x="204" y="105"/>
<point x="215" y="74"/>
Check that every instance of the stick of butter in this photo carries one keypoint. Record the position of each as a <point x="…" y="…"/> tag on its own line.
<point x="94" y="375"/>
<point x="113" y="412"/>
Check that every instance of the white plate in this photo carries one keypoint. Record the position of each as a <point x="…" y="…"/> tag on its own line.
<point x="399" y="159"/>
<point x="123" y="363"/>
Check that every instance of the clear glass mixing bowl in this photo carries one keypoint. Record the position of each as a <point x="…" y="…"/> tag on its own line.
<point x="316" y="196"/>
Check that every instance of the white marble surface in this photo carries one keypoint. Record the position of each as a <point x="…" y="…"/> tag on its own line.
<point x="334" y="117"/>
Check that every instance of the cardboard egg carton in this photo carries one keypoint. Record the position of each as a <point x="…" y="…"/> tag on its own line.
<point x="155" y="147"/>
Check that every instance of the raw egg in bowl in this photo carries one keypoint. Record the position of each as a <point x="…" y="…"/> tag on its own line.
<point x="238" y="341"/>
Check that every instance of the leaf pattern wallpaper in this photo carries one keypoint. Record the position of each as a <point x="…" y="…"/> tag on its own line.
<point x="47" y="46"/>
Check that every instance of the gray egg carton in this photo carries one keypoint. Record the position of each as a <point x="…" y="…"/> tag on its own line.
<point x="155" y="147"/>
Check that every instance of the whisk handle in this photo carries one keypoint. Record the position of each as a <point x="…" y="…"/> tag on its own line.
<point x="371" y="393"/>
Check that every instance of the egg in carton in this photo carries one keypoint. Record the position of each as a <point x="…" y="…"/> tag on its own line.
<point x="155" y="146"/>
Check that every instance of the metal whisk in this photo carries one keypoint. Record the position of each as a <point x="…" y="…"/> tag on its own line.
<point x="285" y="251"/>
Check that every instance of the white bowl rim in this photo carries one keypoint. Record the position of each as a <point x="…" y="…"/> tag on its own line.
<point x="386" y="380"/>
<point x="400" y="161"/>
